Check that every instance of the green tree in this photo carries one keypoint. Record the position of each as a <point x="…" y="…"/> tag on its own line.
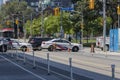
<point x="14" y="9"/>
<point x="51" y="24"/>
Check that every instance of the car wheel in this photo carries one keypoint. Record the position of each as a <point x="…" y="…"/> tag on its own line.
<point x="75" y="49"/>
<point x="24" y="48"/>
<point x="3" y="48"/>
<point x="50" y="48"/>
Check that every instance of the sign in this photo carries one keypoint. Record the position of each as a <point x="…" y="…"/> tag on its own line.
<point x="67" y="9"/>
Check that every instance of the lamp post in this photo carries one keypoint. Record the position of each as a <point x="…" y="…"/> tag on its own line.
<point x="104" y="24"/>
<point x="118" y="12"/>
<point x="42" y="18"/>
<point x="61" y="27"/>
<point x="17" y="23"/>
<point x="24" y="28"/>
<point x="31" y="24"/>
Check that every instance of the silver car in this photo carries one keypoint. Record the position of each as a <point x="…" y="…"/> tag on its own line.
<point x="61" y="44"/>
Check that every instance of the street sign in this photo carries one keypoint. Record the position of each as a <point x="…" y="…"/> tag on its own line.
<point x="67" y="9"/>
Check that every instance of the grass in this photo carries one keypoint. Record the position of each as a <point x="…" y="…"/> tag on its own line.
<point x="86" y="43"/>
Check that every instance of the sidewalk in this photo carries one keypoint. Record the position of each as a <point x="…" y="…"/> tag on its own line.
<point x="99" y="51"/>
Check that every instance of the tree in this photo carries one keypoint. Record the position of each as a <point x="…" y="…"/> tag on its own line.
<point x="51" y="24"/>
<point x="14" y="9"/>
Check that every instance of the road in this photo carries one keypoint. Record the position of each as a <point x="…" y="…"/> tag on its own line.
<point x="85" y="66"/>
<point x="96" y="66"/>
<point x="12" y="69"/>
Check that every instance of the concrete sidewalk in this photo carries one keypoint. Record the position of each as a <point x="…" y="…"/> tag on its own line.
<point x="99" y="51"/>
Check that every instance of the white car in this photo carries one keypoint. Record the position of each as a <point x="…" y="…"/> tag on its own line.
<point x="61" y="44"/>
<point x="21" y="45"/>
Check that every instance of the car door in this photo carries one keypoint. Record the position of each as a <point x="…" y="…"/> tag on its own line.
<point x="62" y="44"/>
<point x="15" y="44"/>
<point x="66" y="44"/>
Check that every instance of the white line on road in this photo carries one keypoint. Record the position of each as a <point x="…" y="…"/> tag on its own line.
<point x="24" y="69"/>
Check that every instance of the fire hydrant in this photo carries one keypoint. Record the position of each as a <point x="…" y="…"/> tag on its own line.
<point x="92" y="48"/>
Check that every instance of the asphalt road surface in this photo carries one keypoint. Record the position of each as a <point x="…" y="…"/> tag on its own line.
<point x="12" y="69"/>
<point x="96" y="66"/>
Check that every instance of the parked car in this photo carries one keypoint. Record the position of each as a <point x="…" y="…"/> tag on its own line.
<point x="9" y="43"/>
<point x="21" y="45"/>
<point x="100" y="43"/>
<point x="36" y="42"/>
<point x="3" y="45"/>
<point x="61" y="44"/>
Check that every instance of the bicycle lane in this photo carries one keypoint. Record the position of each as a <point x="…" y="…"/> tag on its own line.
<point x="12" y="71"/>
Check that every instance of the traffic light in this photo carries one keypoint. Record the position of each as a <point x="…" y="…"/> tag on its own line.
<point x="8" y="22"/>
<point x="82" y="26"/>
<point x="56" y="11"/>
<point x="16" y="21"/>
<point x="91" y="4"/>
<point x="118" y="9"/>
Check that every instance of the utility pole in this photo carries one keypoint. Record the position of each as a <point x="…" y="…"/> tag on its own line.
<point x="42" y="19"/>
<point x="24" y="28"/>
<point x="104" y="24"/>
<point x="31" y="25"/>
<point x="17" y="23"/>
<point x="61" y="27"/>
<point x="118" y="12"/>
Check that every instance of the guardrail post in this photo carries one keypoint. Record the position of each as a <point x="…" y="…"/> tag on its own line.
<point x="16" y="53"/>
<point x="71" y="72"/>
<point x="34" y="66"/>
<point x="24" y="58"/>
<point x="48" y="62"/>
<point x="2" y="46"/>
<point x="113" y="71"/>
<point x="12" y="52"/>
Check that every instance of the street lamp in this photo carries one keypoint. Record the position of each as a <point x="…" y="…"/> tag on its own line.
<point x="31" y="24"/>
<point x="61" y="27"/>
<point x="118" y="12"/>
<point x="104" y="24"/>
<point x="17" y="23"/>
<point x="42" y="16"/>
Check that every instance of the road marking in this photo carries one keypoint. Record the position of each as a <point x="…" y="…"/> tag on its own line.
<point x="24" y="69"/>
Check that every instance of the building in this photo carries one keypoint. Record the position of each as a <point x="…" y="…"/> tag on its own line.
<point x="37" y="4"/>
<point x="61" y="3"/>
<point x="3" y="1"/>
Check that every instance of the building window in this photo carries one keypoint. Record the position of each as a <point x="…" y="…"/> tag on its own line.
<point x="32" y="3"/>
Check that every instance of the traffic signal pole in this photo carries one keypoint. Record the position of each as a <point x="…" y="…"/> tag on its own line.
<point x="24" y="28"/>
<point x="61" y="27"/>
<point x="118" y="12"/>
<point x="104" y="24"/>
<point x="42" y="19"/>
<point x="17" y="23"/>
<point x="31" y="25"/>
